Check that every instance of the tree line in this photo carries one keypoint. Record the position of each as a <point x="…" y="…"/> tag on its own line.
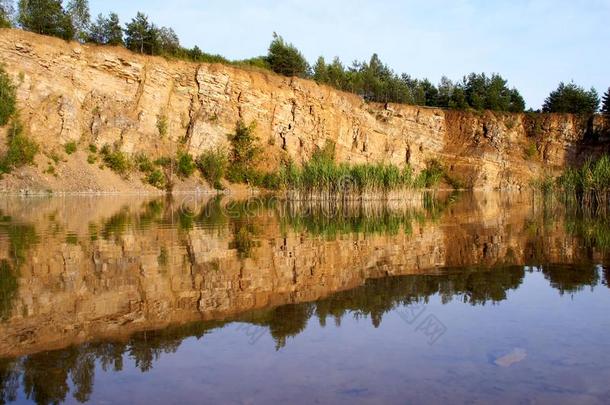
<point x="373" y="80"/>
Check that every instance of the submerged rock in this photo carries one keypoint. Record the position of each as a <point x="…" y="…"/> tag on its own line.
<point x="515" y="356"/>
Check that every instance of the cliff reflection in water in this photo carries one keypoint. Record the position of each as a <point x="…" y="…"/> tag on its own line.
<point x="86" y="281"/>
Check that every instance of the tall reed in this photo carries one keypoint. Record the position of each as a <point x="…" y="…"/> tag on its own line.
<point x="322" y="177"/>
<point x="589" y="184"/>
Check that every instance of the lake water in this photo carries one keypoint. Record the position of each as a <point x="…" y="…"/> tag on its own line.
<point x="458" y="298"/>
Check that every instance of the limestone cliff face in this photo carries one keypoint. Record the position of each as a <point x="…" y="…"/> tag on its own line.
<point x="105" y="95"/>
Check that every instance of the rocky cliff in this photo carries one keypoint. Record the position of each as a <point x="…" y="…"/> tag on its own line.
<point x="105" y="95"/>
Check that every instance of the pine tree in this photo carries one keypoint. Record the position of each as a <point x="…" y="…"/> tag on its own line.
<point x="45" y="17"/>
<point x="570" y="98"/>
<point x="606" y="103"/>
<point x="167" y="42"/>
<point x="517" y="103"/>
<point x="285" y="58"/>
<point x="137" y="34"/>
<point x="445" y="91"/>
<point x="113" y="30"/>
<point x="320" y="71"/>
<point x="96" y="30"/>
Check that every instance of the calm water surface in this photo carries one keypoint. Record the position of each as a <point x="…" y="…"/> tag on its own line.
<point x="468" y="298"/>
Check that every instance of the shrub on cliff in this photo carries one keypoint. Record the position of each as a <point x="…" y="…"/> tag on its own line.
<point x="185" y="165"/>
<point x="45" y="17"/>
<point x="8" y="98"/>
<point x="571" y="98"/>
<point x="20" y="149"/>
<point x="213" y="166"/>
<point x="243" y="156"/>
<point x="116" y="160"/>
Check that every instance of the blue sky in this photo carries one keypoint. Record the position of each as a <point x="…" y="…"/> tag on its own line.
<point x="534" y="44"/>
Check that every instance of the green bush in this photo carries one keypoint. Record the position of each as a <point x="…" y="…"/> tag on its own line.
<point x="244" y="174"/>
<point x="162" y="125"/>
<point x="143" y="163"/>
<point x="156" y="179"/>
<point x="8" y="98"/>
<point x="272" y="181"/>
<point x="91" y="159"/>
<point x="163" y="161"/>
<point x="431" y="175"/>
<point x="244" y="155"/>
<point x="213" y="166"/>
<point x="20" y="149"/>
<point x="186" y="165"/>
<point x="531" y="151"/>
<point x="116" y="160"/>
<point x="70" y="148"/>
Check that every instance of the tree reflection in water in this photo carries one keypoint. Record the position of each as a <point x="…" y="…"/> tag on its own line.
<point x="49" y="377"/>
<point x="46" y="376"/>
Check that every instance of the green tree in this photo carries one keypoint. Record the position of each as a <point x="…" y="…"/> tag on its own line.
<point x="45" y="17"/>
<point x="106" y="30"/>
<point x="606" y="103"/>
<point x="138" y="34"/>
<point x="81" y="18"/>
<point x="320" y="71"/>
<point x="497" y="94"/>
<point x="517" y="103"/>
<point x="8" y="97"/>
<point x="6" y="13"/>
<point x="475" y="89"/>
<point x="113" y="30"/>
<point x="445" y="92"/>
<point x="97" y="33"/>
<point x="285" y="59"/>
<point x="458" y="99"/>
<point x="244" y="154"/>
<point x="488" y="92"/>
<point x="336" y="74"/>
<point x="570" y="98"/>
<point x="167" y="42"/>
<point x="430" y="93"/>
